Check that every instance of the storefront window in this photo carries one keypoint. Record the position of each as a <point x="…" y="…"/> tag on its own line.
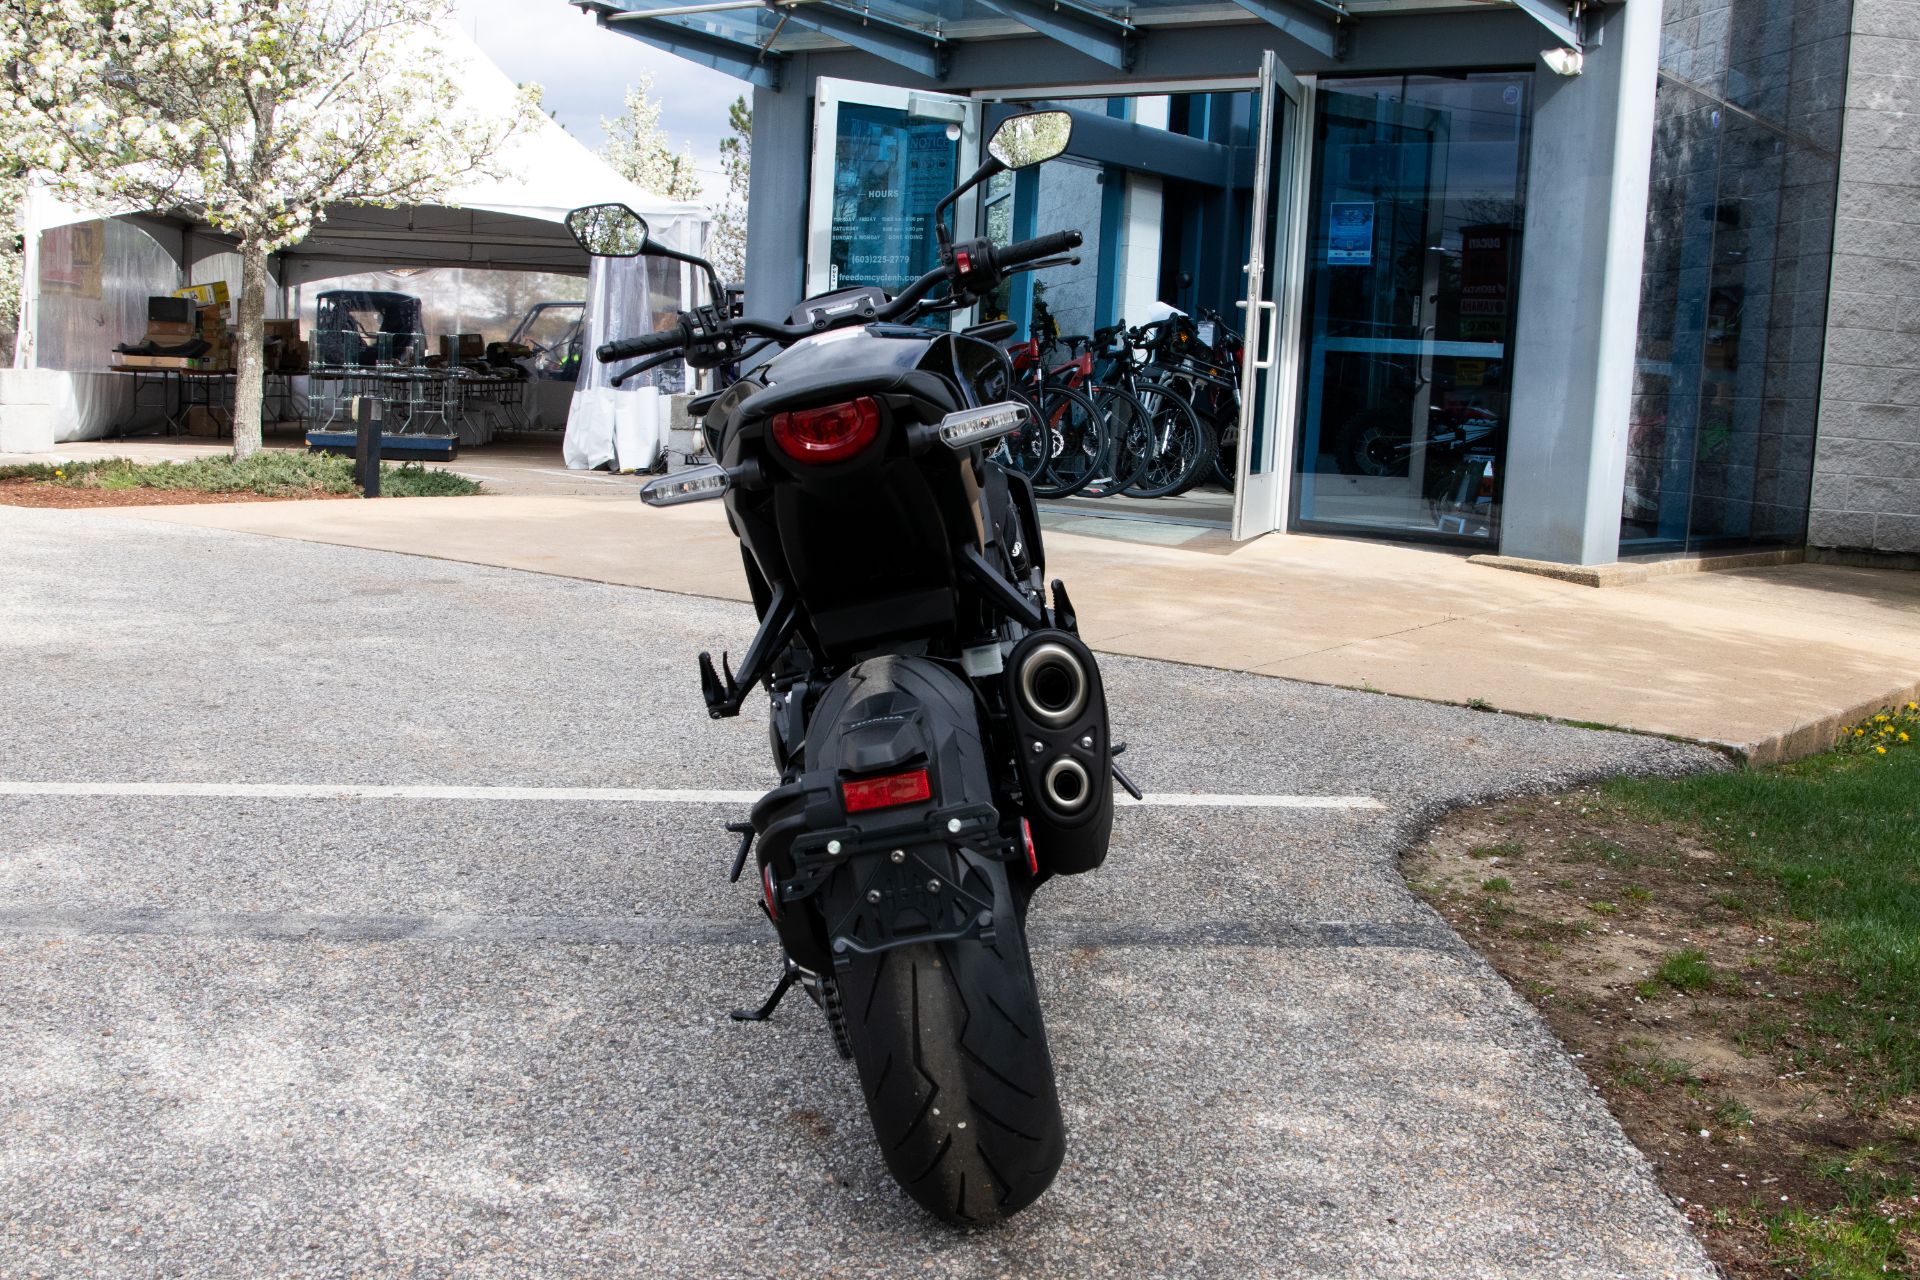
<point x="1414" y="249"/>
<point x="1746" y="155"/>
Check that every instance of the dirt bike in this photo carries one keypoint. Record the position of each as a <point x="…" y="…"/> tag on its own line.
<point x="939" y="728"/>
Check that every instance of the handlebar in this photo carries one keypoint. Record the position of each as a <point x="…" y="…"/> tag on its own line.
<point x="644" y="345"/>
<point x="1047" y="246"/>
<point x="999" y="263"/>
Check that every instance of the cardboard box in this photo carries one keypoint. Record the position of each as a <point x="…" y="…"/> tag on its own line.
<point x="214" y="294"/>
<point x="170" y="332"/>
<point x="455" y="347"/>
<point x="202" y="421"/>
<point x="157" y="362"/>
<point x="285" y="330"/>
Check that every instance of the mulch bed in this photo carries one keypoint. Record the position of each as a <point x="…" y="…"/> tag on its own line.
<point x="1722" y="1088"/>
<point x="22" y="491"/>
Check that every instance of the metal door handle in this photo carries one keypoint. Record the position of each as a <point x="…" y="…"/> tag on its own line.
<point x="1423" y="366"/>
<point x="1271" y="309"/>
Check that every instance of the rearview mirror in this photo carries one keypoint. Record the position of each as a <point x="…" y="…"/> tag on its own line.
<point x="608" y="230"/>
<point x="1031" y="138"/>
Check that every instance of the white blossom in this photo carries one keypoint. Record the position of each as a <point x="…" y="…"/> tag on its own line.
<point x="253" y="115"/>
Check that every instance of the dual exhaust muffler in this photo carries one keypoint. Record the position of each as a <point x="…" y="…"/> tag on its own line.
<point x="1053" y="685"/>
<point x="1059" y="711"/>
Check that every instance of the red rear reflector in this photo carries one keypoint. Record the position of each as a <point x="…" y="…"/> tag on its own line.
<point x="1033" y="859"/>
<point x="766" y="890"/>
<point x="884" y="793"/>
<point x="828" y="434"/>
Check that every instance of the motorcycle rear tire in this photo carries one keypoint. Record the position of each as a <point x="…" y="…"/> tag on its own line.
<point x="953" y="1061"/>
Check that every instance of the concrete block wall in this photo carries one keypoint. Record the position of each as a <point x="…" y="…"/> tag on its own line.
<point x="1866" y="476"/>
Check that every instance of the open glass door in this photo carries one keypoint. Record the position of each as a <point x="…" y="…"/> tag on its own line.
<point x="882" y="158"/>
<point x="1269" y="377"/>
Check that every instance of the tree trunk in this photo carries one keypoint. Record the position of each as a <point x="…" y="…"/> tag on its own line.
<point x="250" y="349"/>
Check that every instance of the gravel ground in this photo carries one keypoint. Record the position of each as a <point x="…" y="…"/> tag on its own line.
<point x="242" y="1037"/>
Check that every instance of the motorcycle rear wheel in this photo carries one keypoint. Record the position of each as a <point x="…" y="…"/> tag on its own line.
<point x="953" y="1060"/>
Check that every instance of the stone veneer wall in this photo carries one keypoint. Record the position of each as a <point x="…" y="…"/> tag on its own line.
<point x="1866" y="485"/>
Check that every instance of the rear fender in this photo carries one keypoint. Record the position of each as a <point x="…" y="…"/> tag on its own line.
<point x="845" y="884"/>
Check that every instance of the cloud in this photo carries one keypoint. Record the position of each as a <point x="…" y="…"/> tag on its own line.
<point x="585" y="70"/>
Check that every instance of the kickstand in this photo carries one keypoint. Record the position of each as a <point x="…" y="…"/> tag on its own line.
<point x="765" y="1011"/>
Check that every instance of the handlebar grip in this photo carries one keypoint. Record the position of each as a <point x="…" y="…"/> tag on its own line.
<point x="644" y="345"/>
<point x="1048" y="246"/>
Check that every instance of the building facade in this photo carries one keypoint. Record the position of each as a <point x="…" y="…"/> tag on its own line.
<point x="1569" y="283"/>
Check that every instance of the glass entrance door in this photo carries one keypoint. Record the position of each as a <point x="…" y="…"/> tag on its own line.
<point x="1269" y="354"/>
<point x="1411" y="263"/>
<point x="882" y="158"/>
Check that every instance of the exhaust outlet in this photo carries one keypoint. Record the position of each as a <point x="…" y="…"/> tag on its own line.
<point x="1053" y="686"/>
<point x="1067" y="784"/>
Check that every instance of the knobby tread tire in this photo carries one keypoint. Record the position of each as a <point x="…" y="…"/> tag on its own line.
<point x="953" y="1062"/>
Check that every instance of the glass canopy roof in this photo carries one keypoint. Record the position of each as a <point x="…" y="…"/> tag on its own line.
<point x="786" y="28"/>
<point x="748" y="38"/>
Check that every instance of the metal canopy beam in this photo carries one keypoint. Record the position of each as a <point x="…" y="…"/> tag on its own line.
<point x="1314" y="25"/>
<point x="1557" y="18"/>
<point x="1098" y="35"/>
<point x="915" y="50"/>
<point x="742" y="61"/>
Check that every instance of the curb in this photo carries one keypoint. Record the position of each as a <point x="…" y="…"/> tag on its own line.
<point x="1627" y="573"/>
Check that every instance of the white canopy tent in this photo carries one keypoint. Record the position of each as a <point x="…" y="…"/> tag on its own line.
<point x="511" y="221"/>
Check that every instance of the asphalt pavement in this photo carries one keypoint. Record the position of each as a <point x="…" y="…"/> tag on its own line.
<point x="456" y="1031"/>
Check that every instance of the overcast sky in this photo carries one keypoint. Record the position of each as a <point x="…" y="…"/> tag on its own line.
<point x="585" y="70"/>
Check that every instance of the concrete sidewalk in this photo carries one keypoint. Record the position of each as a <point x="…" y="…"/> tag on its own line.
<point x="1768" y="662"/>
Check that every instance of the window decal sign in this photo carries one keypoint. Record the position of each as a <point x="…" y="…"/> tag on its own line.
<point x="1350" y="233"/>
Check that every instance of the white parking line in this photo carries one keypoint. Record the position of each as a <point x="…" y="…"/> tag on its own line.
<point x="631" y="795"/>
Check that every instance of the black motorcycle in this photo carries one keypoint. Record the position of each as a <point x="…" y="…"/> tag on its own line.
<point x="939" y="728"/>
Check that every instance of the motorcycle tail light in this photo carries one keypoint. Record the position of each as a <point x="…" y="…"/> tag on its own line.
<point x="831" y="433"/>
<point x="884" y="793"/>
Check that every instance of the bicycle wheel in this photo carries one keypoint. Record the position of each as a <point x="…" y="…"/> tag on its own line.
<point x="1174" y="446"/>
<point x="1198" y="397"/>
<point x="1226" y="464"/>
<point x="1122" y="415"/>
<point x="1077" y="436"/>
<point x="1026" y="450"/>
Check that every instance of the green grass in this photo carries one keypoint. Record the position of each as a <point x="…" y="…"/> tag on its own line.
<point x="1497" y="884"/>
<point x="1837" y="837"/>
<point x="1504" y="849"/>
<point x="276" y="473"/>
<point x="1687" y="970"/>
<point x="1636" y="1066"/>
<point x="1863" y="1235"/>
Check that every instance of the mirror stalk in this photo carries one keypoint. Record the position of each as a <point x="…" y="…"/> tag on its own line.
<point x="987" y="169"/>
<point x="655" y="249"/>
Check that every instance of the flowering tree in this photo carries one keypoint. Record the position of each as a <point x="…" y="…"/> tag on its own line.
<point x="638" y="150"/>
<point x="13" y="188"/>
<point x="728" y="248"/>
<point x="253" y="115"/>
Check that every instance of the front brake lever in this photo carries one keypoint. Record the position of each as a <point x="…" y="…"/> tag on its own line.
<point x="651" y="362"/>
<point x="1044" y="264"/>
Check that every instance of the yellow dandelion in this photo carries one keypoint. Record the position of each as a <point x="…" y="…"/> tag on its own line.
<point x="1903" y="737"/>
<point x="1881" y="750"/>
<point x="1859" y="733"/>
